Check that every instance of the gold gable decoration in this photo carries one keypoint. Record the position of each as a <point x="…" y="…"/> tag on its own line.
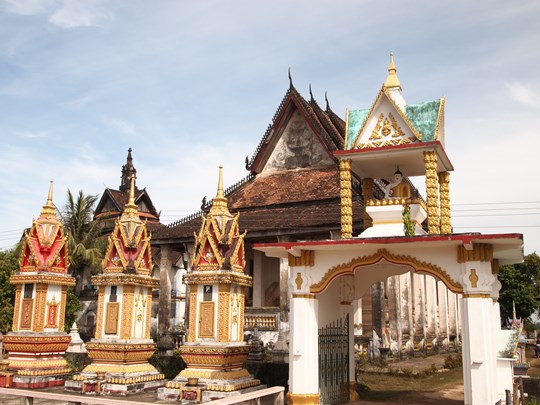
<point x="218" y="245"/>
<point x="129" y="245"/>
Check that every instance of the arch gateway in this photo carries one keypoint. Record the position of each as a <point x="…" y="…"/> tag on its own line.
<point x="385" y="146"/>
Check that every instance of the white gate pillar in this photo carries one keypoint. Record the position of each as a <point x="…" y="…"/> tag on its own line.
<point x="477" y="316"/>
<point x="304" y="333"/>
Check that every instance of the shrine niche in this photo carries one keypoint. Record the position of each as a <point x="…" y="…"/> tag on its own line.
<point x="122" y="346"/>
<point x="37" y="342"/>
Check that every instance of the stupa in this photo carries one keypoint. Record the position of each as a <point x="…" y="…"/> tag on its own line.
<point x="122" y="346"/>
<point x="37" y="342"/>
<point x="215" y="350"/>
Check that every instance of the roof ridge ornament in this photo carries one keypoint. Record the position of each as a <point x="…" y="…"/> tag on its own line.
<point x="290" y="78"/>
<point x="392" y="80"/>
<point x="327" y="102"/>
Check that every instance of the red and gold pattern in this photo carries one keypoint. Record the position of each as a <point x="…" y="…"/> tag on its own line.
<point x="129" y="245"/>
<point x="36" y="344"/>
<point x="44" y="247"/>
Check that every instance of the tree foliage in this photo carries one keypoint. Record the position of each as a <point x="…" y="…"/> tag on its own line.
<point x="8" y="266"/>
<point x="520" y="285"/>
<point x="83" y="236"/>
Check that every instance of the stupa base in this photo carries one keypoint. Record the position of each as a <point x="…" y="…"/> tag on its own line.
<point x="116" y="379"/>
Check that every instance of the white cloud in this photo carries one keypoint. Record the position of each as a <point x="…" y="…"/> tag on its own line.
<point x="521" y="93"/>
<point x="32" y="134"/>
<point x="29" y="7"/>
<point x="120" y="125"/>
<point x="75" y="13"/>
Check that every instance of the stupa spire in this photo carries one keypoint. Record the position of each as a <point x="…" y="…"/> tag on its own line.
<point x="49" y="208"/>
<point x="392" y="80"/>
<point x="219" y="204"/>
<point x="131" y="206"/>
<point x="128" y="171"/>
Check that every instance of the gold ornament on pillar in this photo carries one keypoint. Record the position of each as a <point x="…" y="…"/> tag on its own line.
<point x="432" y="191"/>
<point x="367" y="189"/>
<point x="444" y="189"/>
<point x="346" y="198"/>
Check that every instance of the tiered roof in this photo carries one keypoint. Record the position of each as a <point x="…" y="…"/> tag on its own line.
<point x="296" y="200"/>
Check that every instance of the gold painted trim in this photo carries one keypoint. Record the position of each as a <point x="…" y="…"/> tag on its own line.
<point x="440" y="116"/>
<point x="473" y="278"/>
<point x="100" y="312"/>
<point x="417" y="265"/>
<point x="476" y="295"/>
<point x="303" y="399"/>
<point x="306" y="258"/>
<point x="307" y="296"/>
<point x="17" y="309"/>
<point x="481" y="252"/>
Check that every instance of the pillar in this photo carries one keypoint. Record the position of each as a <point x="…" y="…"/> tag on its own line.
<point x="258" y="258"/>
<point x="283" y="288"/>
<point x="367" y="192"/>
<point x="164" y="314"/>
<point x="477" y="317"/>
<point x="431" y="310"/>
<point x="346" y="198"/>
<point x="432" y="192"/>
<point x="442" y="307"/>
<point x="453" y="330"/>
<point x="346" y="308"/>
<point x="419" y="301"/>
<point x="444" y="189"/>
<point x="406" y="312"/>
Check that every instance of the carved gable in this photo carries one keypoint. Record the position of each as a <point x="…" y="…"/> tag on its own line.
<point x="298" y="147"/>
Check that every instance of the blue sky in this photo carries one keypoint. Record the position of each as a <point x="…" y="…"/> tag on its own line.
<point x="192" y="85"/>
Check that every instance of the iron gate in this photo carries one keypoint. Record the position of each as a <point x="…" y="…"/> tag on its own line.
<point x="334" y="362"/>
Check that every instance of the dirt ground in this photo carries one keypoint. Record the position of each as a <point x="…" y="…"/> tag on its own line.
<point x="442" y="387"/>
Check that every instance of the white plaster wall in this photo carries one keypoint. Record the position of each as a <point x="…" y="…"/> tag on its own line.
<point x="329" y="304"/>
<point x="56" y="292"/>
<point x="119" y="296"/>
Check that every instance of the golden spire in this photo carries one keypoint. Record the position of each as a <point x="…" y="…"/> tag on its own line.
<point x="48" y="208"/>
<point x="219" y="204"/>
<point x="392" y="80"/>
<point x="131" y="207"/>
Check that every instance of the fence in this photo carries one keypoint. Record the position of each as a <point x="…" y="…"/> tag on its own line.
<point x="266" y="396"/>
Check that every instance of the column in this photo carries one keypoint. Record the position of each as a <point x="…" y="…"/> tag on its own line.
<point x="257" y="279"/>
<point x="367" y="192"/>
<point x="479" y="348"/>
<point x="164" y="311"/>
<point x="406" y="304"/>
<point x="304" y="342"/>
<point x="346" y="198"/>
<point x="431" y="311"/>
<point x="453" y="330"/>
<point x="283" y="289"/>
<point x="419" y="300"/>
<point x="394" y="314"/>
<point x="432" y="192"/>
<point x="444" y="188"/>
<point x="442" y="301"/>
<point x="346" y="292"/>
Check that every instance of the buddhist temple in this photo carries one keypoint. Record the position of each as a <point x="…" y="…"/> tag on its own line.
<point x="122" y="346"/>
<point x="37" y="342"/>
<point x="408" y="237"/>
<point x="215" y="349"/>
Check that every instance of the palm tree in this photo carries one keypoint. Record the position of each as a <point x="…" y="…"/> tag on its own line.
<point x="86" y="247"/>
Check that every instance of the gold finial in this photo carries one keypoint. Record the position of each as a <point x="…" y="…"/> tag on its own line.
<point x="220" y="183"/>
<point x="219" y="204"/>
<point x="48" y="208"/>
<point x="392" y="80"/>
<point x="131" y="206"/>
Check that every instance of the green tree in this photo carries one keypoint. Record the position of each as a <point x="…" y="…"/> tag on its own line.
<point x="86" y="247"/>
<point x="520" y="285"/>
<point x="8" y="266"/>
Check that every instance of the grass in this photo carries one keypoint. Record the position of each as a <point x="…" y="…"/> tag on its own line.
<point x="396" y="387"/>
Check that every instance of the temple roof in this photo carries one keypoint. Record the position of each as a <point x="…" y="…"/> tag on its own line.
<point x="112" y="202"/>
<point x="299" y="201"/>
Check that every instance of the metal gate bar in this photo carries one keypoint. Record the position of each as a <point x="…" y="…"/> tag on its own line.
<point x="334" y="362"/>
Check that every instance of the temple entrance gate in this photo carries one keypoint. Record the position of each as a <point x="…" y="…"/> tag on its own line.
<point x="334" y="362"/>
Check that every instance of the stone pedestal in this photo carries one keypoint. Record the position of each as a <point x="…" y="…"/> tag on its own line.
<point x="36" y="359"/>
<point x="387" y="219"/>
<point x="118" y="368"/>
<point x="219" y="367"/>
